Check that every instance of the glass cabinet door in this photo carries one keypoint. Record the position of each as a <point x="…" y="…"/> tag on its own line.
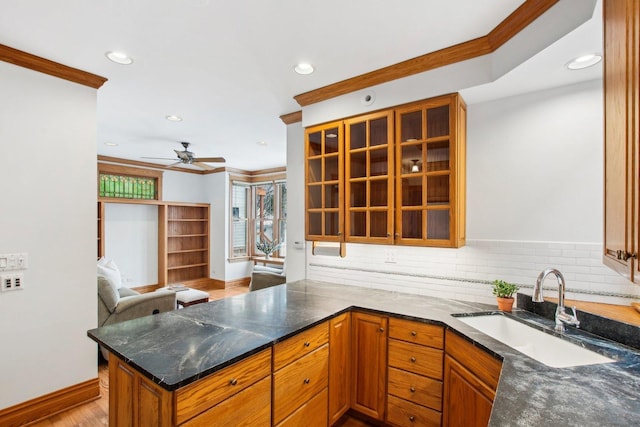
<point x="427" y="189"/>
<point x="324" y="177"/>
<point x="369" y="182"/>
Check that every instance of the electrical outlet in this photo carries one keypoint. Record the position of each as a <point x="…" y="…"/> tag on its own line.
<point x="7" y="282"/>
<point x="18" y="281"/>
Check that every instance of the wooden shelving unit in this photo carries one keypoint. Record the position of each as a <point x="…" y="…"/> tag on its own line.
<point x="183" y="242"/>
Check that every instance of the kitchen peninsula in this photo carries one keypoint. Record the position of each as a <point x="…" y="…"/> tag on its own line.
<point x="176" y="355"/>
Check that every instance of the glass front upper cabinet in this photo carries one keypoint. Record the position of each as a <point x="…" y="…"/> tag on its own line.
<point x="324" y="180"/>
<point x="430" y="173"/>
<point x="369" y="183"/>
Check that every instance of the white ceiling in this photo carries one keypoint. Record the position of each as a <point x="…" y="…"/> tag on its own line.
<point x="226" y="67"/>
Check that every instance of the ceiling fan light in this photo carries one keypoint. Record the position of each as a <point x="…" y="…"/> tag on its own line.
<point x="119" y="58"/>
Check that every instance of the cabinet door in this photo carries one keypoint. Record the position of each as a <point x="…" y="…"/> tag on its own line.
<point x="430" y="173"/>
<point x="369" y="178"/>
<point x="339" y="366"/>
<point x="467" y="400"/>
<point x="621" y="136"/>
<point x="369" y="335"/>
<point x="324" y="182"/>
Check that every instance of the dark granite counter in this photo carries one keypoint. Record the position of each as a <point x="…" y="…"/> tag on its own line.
<point x="176" y="348"/>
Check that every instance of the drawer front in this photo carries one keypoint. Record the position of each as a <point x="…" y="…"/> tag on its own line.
<point x="416" y="332"/>
<point x="297" y="346"/>
<point x="416" y="358"/>
<point x="296" y="383"/>
<point x="311" y="414"/>
<point x="415" y="388"/>
<point x="201" y="395"/>
<point x="402" y="413"/>
<point x="251" y="407"/>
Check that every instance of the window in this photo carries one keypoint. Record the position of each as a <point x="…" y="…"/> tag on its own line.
<point x="123" y="182"/>
<point x="259" y="213"/>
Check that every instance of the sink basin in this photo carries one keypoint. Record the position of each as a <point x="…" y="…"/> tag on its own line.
<point x="543" y="347"/>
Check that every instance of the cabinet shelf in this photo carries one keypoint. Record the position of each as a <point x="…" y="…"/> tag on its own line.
<point x="180" y="267"/>
<point x="177" y="236"/>
<point x="186" y="251"/>
<point x="187" y="220"/>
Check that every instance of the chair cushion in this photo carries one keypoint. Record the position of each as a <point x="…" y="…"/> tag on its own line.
<point x="108" y="293"/>
<point x="108" y="269"/>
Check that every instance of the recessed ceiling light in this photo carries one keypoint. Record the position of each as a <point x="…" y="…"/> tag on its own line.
<point x="303" y="68"/>
<point x="584" y="61"/>
<point x="262" y="143"/>
<point x="119" y="58"/>
<point x="332" y="135"/>
<point x="110" y="144"/>
<point x="173" y="118"/>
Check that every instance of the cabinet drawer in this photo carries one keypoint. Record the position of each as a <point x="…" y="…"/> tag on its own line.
<point x="251" y="407"/>
<point x="416" y="358"/>
<point x="297" y="382"/>
<point x="311" y="414"/>
<point x="297" y="346"/>
<point x="207" y="392"/>
<point x="415" y="388"/>
<point x="416" y="332"/>
<point x="403" y="413"/>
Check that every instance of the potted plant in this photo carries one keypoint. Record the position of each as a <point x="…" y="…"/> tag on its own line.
<point x="267" y="247"/>
<point x="504" y="294"/>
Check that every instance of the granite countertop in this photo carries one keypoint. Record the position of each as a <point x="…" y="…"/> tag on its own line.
<point x="176" y="348"/>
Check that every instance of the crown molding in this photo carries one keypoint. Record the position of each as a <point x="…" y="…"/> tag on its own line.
<point x="291" y="118"/>
<point x="528" y="12"/>
<point x="42" y="65"/>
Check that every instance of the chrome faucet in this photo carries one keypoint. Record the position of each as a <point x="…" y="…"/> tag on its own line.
<point x="562" y="316"/>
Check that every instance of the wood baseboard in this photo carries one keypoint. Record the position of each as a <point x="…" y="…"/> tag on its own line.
<point x="50" y="404"/>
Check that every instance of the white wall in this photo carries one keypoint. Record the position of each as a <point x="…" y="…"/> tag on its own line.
<point x="48" y="209"/>
<point x="534" y="200"/>
<point x="295" y="202"/>
<point x="131" y="240"/>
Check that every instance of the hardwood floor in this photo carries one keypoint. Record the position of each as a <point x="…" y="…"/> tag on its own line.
<point x="96" y="413"/>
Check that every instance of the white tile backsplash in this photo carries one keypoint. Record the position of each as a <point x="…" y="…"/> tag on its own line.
<point x="466" y="273"/>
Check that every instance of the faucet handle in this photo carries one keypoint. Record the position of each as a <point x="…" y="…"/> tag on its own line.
<point x="576" y="322"/>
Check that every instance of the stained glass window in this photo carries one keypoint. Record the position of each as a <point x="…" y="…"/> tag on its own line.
<point x="127" y="187"/>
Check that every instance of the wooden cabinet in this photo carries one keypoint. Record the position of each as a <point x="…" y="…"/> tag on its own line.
<point x="300" y="374"/>
<point x="183" y="242"/>
<point x="368" y="180"/>
<point x="100" y="230"/>
<point x="339" y="366"/>
<point x="622" y="145"/>
<point x="430" y="172"/>
<point x="470" y="381"/>
<point x="237" y="395"/>
<point x="324" y="195"/>
<point x="404" y="179"/>
<point x="415" y="373"/>
<point x="369" y="364"/>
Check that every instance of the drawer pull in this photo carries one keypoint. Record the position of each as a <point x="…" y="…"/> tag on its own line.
<point x="414" y="333"/>
<point x="307" y="380"/>
<point x="412" y="389"/>
<point x="412" y="418"/>
<point x="413" y="359"/>
<point x="233" y="381"/>
<point x="381" y="329"/>
<point x="307" y="344"/>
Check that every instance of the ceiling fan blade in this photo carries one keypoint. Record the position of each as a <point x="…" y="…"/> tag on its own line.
<point x="159" y="158"/>
<point x="174" y="164"/>
<point x="202" y="165"/>
<point x="209" y="159"/>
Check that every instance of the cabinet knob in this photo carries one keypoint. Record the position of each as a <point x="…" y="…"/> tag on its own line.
<point x="307" y="344"/>
<point x="388" y="234"/>
<point x="397" y="235"/>
<point x="412" y="418"/>
<point x="233" y="381"/>
<point x="381" y="329"/>
<point x="414" y="333"/>
<point x="339" y="233"/>
<point x="307" y="380"/>
<point x="413" y="359"/>
<point x="412" y="389"/>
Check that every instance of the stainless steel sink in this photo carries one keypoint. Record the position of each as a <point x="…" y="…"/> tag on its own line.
<point x="543" y="347"/>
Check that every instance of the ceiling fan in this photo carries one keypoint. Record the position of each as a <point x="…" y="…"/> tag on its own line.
<point x="187" y="157"/>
